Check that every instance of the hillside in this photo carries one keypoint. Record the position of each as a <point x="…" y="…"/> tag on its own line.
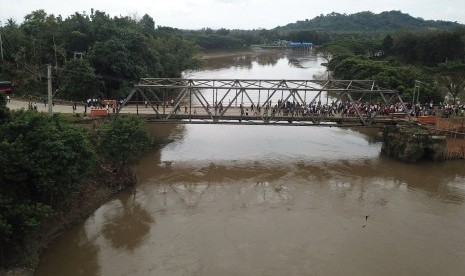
<point x="368" y="22"/>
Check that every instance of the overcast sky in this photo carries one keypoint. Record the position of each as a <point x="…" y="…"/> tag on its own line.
<point x="234" y="14"/>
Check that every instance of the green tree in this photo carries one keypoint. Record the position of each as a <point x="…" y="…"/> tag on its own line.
<point x="223" y="31"/>
<point x="401" y="78"/>
<point x="404" y="47"/>
<point x="42" y="158"/>
<point x="304" y="36"/>
<point x="76" y="34"/>
<point x="329" y="51"/>
<point x="174" y="54"/>
<point x="268" y="36"/>
<point x="451" y="77"/>
<point x="41" y="29"/>
<point x="388" y="42"/>
<point x="18" y="219"/>
<point x="78" y="81"/>
<point x="42" y="162"/>
<point x="4" y="114"/>
<point x="147" y="24"/>
<point x="120" y="49"/>
<point x="123" y="140"/>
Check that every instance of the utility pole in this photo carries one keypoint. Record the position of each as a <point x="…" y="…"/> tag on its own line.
<point x="49" y="77"/>
<point x="416" y="90"/>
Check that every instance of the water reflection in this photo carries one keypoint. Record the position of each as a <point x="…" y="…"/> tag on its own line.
<point x="269" y="183"/>
<point x="247" y="214"/>
<point x="262" y="64"/>
<point x="222" y="217"/>
<point x="245" y="60"/>
<point x="269" y="60"/>
<point x="218" y="154"/>
<point x="273" y="200"/>
<point x="129" y="226"/>
<point x="164" y="134"/>
<point x="190" y="194"/>
<point x="271" y="144"/>
<point x="268" y="193"/>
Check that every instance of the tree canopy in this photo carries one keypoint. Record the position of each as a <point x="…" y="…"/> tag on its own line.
<point x="43" y="160"/>
<point x="122" y="140"/>
<point x="366" y="21"/>
<point x="118" y="50"/>
<point x="451" y="77"/>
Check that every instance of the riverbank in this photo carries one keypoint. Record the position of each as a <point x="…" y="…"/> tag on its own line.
<point x="44" y="196"/>
<point x="245" y="52"/>
<point x="97" y="190"/>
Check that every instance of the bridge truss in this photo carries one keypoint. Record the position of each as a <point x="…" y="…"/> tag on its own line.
<point x="258" y="101"/>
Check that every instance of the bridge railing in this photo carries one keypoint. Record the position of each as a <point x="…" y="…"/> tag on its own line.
<point x="316" y="101"/>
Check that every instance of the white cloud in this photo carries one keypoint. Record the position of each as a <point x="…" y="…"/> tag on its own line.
<point x="234" y="14"/>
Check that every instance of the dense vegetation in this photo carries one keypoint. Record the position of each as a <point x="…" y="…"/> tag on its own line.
<point x="433" y="61"/>
<point x="398" y="51"/>
<point x="364" y="22"/>
<point x="44" y="163"/>
<point x="224" y="39"/>
<point x="105" y="56"/>
<point x="319" y="30"/>
<point x="118" y="51"/>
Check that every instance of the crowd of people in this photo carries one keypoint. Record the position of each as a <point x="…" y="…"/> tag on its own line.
<point x="324" y="109"/>
<point x="351" y="109"/>
<point x="315" y="108"/>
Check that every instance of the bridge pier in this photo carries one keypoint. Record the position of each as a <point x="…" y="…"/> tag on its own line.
<point x="413" y="143"/>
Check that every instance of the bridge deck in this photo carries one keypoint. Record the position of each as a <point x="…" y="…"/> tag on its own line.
<point x="229" y="100"/>
<point x="200" y="116"/>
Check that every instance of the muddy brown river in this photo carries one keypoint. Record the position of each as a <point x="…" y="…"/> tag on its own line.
<point x="272" y="200"/>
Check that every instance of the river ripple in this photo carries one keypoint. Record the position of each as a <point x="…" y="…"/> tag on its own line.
<point x="272" y="200"/>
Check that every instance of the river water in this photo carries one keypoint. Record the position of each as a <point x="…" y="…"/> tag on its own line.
<point x="272" y="200"/>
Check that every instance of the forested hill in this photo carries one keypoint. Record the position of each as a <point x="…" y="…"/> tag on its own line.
<point x="369" y="22"/>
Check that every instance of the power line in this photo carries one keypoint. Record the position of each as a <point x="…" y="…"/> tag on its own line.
<point x="17" y="58"/>
<point x="30" y="68"/>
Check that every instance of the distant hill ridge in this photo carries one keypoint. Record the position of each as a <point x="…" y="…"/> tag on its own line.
<point x="369" y="22"/>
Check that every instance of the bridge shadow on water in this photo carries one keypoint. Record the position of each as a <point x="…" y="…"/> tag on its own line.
<point x="181" y="172"/>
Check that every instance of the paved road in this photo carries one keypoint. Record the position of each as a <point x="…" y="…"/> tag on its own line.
<point x="232" y="113"/>
<point x="67" y="108"/>
<point x="57" y="108"/>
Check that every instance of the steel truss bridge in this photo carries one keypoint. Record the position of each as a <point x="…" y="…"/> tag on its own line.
<point x="260" y="101"/>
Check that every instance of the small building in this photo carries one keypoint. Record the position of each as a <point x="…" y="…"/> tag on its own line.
<point x="300" y="45"/>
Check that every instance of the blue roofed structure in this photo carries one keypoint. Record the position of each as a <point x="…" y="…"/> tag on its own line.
<point x="300" y="44"/>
